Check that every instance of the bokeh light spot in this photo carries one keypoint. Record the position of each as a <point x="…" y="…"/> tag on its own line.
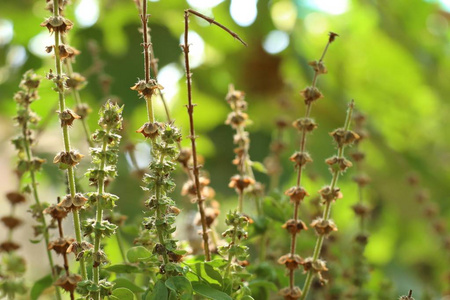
<point x="276" y="41"/>
<point x="244" y="12"/>
<point x="196" y="49"/>
<point x="87" y="12"/>
<point x="284" y="15"/>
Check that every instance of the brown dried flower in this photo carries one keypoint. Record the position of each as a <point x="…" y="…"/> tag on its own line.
<point x="67" y="117"/>
<point x="323" y="227"/>
<point x="291" y="294"/>
<point x="211" y="215"/>
<point x="236" y="119"/>
<point x="147" y="89"/>
<point x="311" y="94"/>
<point x="68" y="283"/>
<point x="294" y="227"/>
<point x="71" y="158"/>
<point x="344" y="137"/>
<point x="57" y="24"/>
<point x="150" y="130"/>
<point x="60" y="245"/>
<point x="301" y="158"/>
<point x="291" y="262"/>
<point x="74" y="203"/>
<point x="56" y="212"/>
<point x="306" y="124"/>
<point x="66" y="51"/>
<point x="328" y="195"/>
<point x="318" y="67"/>
<point x="341" y="162"/>
<point x="11" y="222"/>
<point x="296" y="194"/>
<point x="75" y="81"/>
<point x="240" y="183"/>
<point x="15" y="198"/>
<point x="9" y="246"/>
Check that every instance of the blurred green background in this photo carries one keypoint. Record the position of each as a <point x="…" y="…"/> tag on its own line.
<point x="392" y="57"/>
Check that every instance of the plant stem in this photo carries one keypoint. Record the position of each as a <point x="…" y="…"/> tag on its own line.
<point x="99" y="213"/>
<point x="192" y="137"/>
<point x="70" y="171"/>
<point x="66" y="261"/>
<point x="327" y="210"/>
<point x="299" y="172"/>
<point x="38" y="202"/>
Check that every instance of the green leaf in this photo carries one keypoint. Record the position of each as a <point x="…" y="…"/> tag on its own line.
<point x="137" y="254"/>
<point x="125" y="283"/>
<point x="159" y="293"/>
<point x="213" y="273"/>
<point x="273" y="210"/>
<point x="181" y="286"/>
<point x="262" y="284"/>
<point x="40" y="285"/>
<point x="256" y="165"/>
<point x="122" y="268"/>
<point x="123" y="294"/>
<point x="209" y="292"/>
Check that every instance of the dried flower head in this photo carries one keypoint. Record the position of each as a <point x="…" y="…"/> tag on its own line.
<point x="11" y="222"/>
<point x="329" y="195"/>
<point x="9" y="246"/>
<point x="66" y="51"/>
<point x="75" y="81"/>
<point x="150" y="130"/>
<point x="240" y="182"/>
<point x="294" y="226"/>
<point x="83" y="110"/>
<point x="361" y="209"/>
<point x="338" y="163"/>
<point x="290" y="261"/>
<point x="60" y="245"/>
<point x="56" y="212"/>
<point x="15" y="198"/>
<point x="236" y="119"/>
<point x="344" y="137"/>
<point x="74" y="203"/>
<point x="317" y="266"/>
<point x="291" y="294"/>
<point x="301" y="158"/>
<point x="147" y="89"/>
<point x="184" y="156"/>
<point x="57" y="24"/>
<point x="333" y="36"/>
<point x="67" y="117"/>
<point x="68" y="283"/>
<point x="323" y="227"/>
<point x="311" y="94"/>
<point x="318" y="67"/>
<point x="306" y="124"/>
<point x="71" y="158"/>
<point x="211" y="215"/>
<point x="296" y="194"/>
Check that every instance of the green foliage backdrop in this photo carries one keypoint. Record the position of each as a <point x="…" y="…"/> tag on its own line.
<point x="392" y="57"/>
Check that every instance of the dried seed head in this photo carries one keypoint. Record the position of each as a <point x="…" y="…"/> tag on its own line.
<point x="56" y="212"/>
<point x="290" y="261"/>
<point x="173" y="257"/>
<point x="57" y="24"/>
<point x="184" y="156"/>
<point x="296" y="194"/>
<point x="83" y="110"/>
<point x="147" y="89"/>
<point x="323" y="227"/>
<point x="74" y="203"/>
<point x="344" y="137"/>
<point x="329" y="195"/>
<point x="67" y="117"/>
<point x="9" y="246"/>
<point x="301" y="158"/>
<point x="68" y="283"/>
<point x="150" y="130"/>
<point x="71" y="158"/>
<point x="236" y="119"/>
<point x="318" y="67"/>
<point x="240" y="183"/>
<point x="15" y="198"/>
<point x="311" y="94"/>
<point x="66" y="51"/>
<point x="75" y="81"/>
<point x="317" y="266"/>
<point x="338" y="163"/>
<point x="294" y="226"/>
<point x="281" y="123"/>
<point x="60" y="245"/>
<point x="332" y="36"/>
<point x="211" y="215"/>
<point x="306" y="124"/>
<point x="11" y="222"/>
<point x="358" y="156"/>
<point x="361" y="209"/>
<point x="291" y="294"/>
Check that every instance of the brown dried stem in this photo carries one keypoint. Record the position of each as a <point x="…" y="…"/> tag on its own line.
<point x="190" y="109"/>
<point x="299" y="172"/>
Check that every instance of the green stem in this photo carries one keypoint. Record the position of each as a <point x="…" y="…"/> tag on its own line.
<point x="327" y="211"/>
<point x="159" y="215"/>
<point x="120" y="244"/>
<point x="98" y="221"/>
<point x="230" y="255"/>
<point x="62" y="106"/>
<point x="38" y="204"/>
